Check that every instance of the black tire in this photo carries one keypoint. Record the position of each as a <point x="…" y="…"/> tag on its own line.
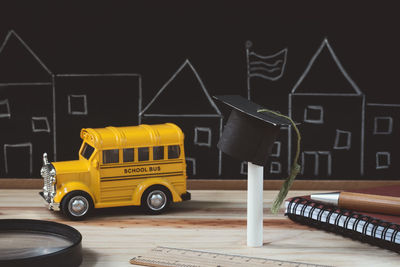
<point x="156" y="199"/>
<point x="83" y="205"/>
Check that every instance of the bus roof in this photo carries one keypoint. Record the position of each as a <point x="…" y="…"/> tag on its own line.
<point x="133" y="136"/>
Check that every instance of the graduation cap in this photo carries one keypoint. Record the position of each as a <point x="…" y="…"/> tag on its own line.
<point x="249" y="134"/>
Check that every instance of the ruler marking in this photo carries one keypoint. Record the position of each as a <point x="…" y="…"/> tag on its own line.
<point x="180" y="257"/>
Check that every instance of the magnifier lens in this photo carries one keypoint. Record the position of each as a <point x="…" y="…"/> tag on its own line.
<point x="39" y="243"/>
<point x="18" y="245"/>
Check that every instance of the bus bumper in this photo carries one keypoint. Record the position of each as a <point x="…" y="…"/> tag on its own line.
<point x="50" y="205"/>
<point x="186" y="196"/>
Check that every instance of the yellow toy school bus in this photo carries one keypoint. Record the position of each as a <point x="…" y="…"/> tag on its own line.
<point x="119" y="166"/>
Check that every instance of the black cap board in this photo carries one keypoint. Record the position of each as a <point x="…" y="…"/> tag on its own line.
<point x="249" y="135"/>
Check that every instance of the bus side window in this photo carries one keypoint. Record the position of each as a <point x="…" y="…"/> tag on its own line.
<point x="143" y="153"/>
<point x="174" y="152"/>
<point x="110" y="156"/>
<point x="158" y="152"/>
<point x="128" y="155"/>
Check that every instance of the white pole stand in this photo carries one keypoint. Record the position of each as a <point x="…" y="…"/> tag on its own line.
<point x="255" y="181"/>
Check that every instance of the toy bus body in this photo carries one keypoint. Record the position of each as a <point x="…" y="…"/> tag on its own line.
<point x="116" y="167"/>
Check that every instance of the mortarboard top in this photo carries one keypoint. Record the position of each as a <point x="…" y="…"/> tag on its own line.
<point x="250" y="108"/>
<point x="249" y="135"/>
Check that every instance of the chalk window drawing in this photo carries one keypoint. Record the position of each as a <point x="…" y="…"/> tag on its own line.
<point x="276" y="149"/>
<point x="383" y="125"/>
<point x="275" y="167"/>
<point x="5" y="109"/>
<point x="342" y="140"/>
<point x="202" y="136"/>
<point x="17" y="146"/>
<point x="314" y="114"/>
<point x="40" y="124"/>
<point x="77" y="105"/>
<point x="243" y="168"/>
<point x="382" y="160"/>
<point x="324" y="156"/>
<point x="191" y="166"/>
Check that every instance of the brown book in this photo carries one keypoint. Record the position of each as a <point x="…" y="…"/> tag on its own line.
<point x="374" y="228"/>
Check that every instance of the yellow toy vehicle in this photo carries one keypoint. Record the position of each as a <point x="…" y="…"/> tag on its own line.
<point x="119" y="166"/>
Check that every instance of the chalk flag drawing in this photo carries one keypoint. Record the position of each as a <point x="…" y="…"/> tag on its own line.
<point x="198" y="116"/>
<point x="269" y="67"/>
<point x="56" y="100"/>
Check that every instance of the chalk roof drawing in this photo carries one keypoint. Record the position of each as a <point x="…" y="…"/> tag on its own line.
<point x="13" y="51"/>
<point x="19" y="65"/>
<point x="336" y="80"/>
<point x="193" y="101"/>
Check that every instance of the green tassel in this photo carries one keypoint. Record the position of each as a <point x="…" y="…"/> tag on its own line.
<point x="285" y="188"/>
<point x="293" y="171"/>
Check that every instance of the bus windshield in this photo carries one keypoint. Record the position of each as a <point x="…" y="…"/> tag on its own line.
<point x="87" y="151"/>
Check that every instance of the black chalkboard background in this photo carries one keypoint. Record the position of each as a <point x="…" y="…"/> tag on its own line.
<point x="339" y="79"/>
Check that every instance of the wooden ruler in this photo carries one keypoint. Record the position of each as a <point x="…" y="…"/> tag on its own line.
<point x="178" y="257"/>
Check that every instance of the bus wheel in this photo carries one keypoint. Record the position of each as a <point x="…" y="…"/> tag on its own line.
<point x="77" y="205"/>
<point x="155" y="199"/>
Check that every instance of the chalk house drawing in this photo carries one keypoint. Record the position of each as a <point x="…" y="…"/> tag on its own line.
<point x="198" y="116"/>
<point x="343" y="136"/>
<point x="52" y="98"/>
<point x="341" y="105"/>
<point x="365" y="133"/>
<point x="32" y="79"/>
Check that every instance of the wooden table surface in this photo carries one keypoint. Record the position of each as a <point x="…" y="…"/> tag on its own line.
<point x="213" y="221"/>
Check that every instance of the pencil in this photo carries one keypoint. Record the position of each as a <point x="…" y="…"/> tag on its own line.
<point x="361" y="202"/>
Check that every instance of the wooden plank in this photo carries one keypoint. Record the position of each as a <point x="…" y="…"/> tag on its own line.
<point x="297" y="185"/>
<point x="214" y="221"/>
<point x="20" y="183"/>
<point x="14" y="183"/>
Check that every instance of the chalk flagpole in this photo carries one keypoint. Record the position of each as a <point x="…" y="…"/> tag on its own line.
<point x="248" y="45"/>
<point x="255" y="181"/>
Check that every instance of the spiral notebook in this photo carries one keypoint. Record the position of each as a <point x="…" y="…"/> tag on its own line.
<point x="377" y="229"/>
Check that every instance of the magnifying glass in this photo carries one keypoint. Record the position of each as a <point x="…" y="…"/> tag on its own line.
<point x="39" y="243"/>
